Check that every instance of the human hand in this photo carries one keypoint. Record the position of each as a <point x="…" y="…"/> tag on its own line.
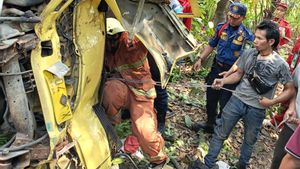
<point x="294" y="121"/>
<point x="265" y="102"/>
<point x="290" y="114"/>
<point x="218" y="84"/>
<point x="131" y="43"/>
<point x="197" y="65"/>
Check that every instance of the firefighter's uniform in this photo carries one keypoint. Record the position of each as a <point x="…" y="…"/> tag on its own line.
<point x="285" y="32"/>
<point x="284" y="27"/>
<point x="133" y="89"/>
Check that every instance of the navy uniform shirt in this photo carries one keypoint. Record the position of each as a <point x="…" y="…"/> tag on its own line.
<point x="230" y="42"/>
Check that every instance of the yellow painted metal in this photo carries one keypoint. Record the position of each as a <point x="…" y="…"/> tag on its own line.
<point x="195" y="11"/>
<point x="46" y="30"/>
<point x="84" y="127"/>
<point x="58" y="91"/>
<point x="115" y="9"/>
<point x="195" y="8"/>
<point x="185" y="15"/>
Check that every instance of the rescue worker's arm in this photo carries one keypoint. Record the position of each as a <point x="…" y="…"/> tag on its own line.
<point x="232" y="79"/>
<point x="207" y="50"/>
<point x="233" y="68"/>
<point x="287" y="93"/>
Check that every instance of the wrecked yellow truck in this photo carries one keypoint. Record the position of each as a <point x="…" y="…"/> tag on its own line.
<point x="51" y="83"/>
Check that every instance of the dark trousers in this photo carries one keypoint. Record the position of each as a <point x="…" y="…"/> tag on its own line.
<point x="279" y="151"/>
<point x="215" y="97"/>
<point x="161" y="104"/>
<point x="161" y="100"/>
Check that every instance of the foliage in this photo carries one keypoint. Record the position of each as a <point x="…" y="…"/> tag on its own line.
<point x="202" y="73"/>
<point x="293" y="17"/>
<point x="256" y="12"/>
<point x="186" y="99"/>
<point x="278" y="108"/>
<point x="200" y="26"/>
<point x="188" y="121"/>
<point x="175" y="74"/>
<point x="168" y="132"/>
<point x="227" y="150"/>
<point x="123" y="129"/>
<point x="203" y="144"/>
<point x="257" y="8"/>
<point x="4" y="138"/>
<point x="207" y="8"/>
<point x="200" y="29"/>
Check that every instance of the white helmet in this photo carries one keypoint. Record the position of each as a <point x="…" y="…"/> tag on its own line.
<point x="113" y="26"/>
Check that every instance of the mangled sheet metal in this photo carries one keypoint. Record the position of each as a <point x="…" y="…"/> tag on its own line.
<point x="72" y="43"/>
<point x="161" y="31"/>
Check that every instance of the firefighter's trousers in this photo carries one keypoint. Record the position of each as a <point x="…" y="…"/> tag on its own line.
<point x="118" y="96"/>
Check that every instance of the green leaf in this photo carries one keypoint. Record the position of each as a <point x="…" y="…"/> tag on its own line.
<point x="188" y="121"/>
<point x="118" y="160"/>
<point x="180" y="143"/>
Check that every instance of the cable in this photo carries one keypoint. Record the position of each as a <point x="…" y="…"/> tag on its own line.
<point x="183" y="85"/>
<point x="7" y="150"/>
<point x="121" y="153"/>
<point x="15" y="74"/>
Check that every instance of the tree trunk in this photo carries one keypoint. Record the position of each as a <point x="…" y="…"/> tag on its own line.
<point x="220" y="15"/>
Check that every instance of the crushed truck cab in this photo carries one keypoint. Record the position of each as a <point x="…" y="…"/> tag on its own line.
<point x="52" y="76"/>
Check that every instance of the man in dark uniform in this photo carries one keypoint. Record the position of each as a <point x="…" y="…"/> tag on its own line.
<point x="161" y="100"/>
<point x="230" y="38"/>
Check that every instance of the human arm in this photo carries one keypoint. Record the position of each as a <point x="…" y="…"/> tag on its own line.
<point x="291" y="111"/>
<point x="231" y="79"/>
<point x="207" y="50"/>
<point x="287" y="93"/>
<point x="233" y="68"/>
<point x="212" y="43"/>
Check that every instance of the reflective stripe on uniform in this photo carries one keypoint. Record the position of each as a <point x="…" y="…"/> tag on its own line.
<point x="237" y="42"/>
<point x="140" y="92"/>
<point x="132" y="65"/>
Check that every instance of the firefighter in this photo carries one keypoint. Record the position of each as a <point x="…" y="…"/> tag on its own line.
<point x="284" y="27"/>
<point x="132" y="88"/>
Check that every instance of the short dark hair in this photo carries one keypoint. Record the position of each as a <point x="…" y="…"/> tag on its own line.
<point x="272" y="31"/>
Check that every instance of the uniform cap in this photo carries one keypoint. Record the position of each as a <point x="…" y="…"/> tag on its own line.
<point x="237" y="9"/>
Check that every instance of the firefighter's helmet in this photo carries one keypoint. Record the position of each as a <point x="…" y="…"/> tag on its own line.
<point x="113" y="26"/>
